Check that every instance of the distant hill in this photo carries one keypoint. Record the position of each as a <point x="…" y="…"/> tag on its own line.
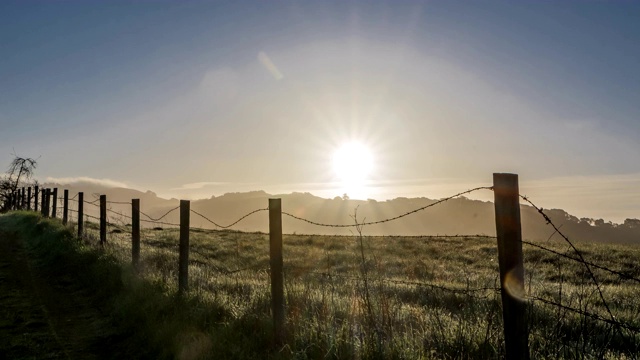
<point x="458" y="216"/>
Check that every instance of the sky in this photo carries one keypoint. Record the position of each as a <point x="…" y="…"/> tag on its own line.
<point x="192" y="99"/>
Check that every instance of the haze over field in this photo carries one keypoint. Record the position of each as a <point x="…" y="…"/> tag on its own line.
<point x="374" y="99"/>
<point x="458" y="216"/>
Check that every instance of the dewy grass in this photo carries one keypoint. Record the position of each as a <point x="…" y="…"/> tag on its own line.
<point x="406" y="311"/>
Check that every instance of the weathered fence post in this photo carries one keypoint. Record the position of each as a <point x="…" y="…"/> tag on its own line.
<point x="54" y="206"/>
<point x="43" y="200"/>
<point x="47" y="203"/>
<point x="80" y="214"/>
<point x="23" y="200"/>
<point x="277" y="276"/>
<point x="29" y="198"/>
<point x="135" y="232"/>
<point x="509" y="233"/>
<point x="103" y="219"/>
<point x="183" y="268"/>
<point x="65" y="207"/>
<point x="35" y="198"/>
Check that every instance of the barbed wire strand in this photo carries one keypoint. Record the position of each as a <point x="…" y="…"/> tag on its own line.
<point x="389" y="219"/>
<point x="119" y="202"/>
<point x="92" y="202"/>
<point x="233" y="223"/>
<point x="621" y="274"/>
<point x="119" y="214"/>
<point x="582" y="260"/>
<point x="161" y="217"/>
<point x="586" y="313"/>
<point x="92" y="217"/>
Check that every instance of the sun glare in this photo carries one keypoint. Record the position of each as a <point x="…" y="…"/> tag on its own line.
<point x="353" y="164"/>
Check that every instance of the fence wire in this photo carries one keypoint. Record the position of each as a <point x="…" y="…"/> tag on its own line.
<point x="581" y="258"/>
<point x="233" y="223"/>
<point x="615" y="272"/>
<point x="161" y="217"/>
<point x="160" y="250"/>
<point x="356" y="225"/>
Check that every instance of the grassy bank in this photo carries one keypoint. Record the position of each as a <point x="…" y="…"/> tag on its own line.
<point x="158" y="323"/>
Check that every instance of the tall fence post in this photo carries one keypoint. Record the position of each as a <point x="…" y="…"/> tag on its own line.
<point x="509" y="233"/>
<point x="54" y="205"/>
<point x="29" y="198"/>
<point x="135" y="233"/>
<point x="47" y="203"/>
<point x="183" y="268"/>
<point x="23" y="200"/>
<point x="65" y="207"/>
<point x="275" y="260"/>
<point x="35" y="198"/>
<point x="80" y="214"/>
<point x="103" y="219"/>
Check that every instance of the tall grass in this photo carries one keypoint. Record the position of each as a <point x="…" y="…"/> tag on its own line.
<point x="364" y="297"/>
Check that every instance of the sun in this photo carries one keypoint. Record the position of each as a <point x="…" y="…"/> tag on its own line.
<point x="353" y="163"/>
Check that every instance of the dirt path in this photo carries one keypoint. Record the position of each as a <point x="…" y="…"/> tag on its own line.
<point x="43" y="318"/>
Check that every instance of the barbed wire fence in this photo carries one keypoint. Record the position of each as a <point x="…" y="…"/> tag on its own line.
<point x="211" y="272"/>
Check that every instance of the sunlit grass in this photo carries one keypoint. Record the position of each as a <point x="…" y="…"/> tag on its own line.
<point x="403" y="312"/>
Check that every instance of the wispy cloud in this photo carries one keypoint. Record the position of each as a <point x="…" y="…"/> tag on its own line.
<point x="86" y="180"/>
<point x="201" y="185"/>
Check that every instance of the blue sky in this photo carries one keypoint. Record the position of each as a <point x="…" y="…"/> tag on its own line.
<point x="191" y="99"/>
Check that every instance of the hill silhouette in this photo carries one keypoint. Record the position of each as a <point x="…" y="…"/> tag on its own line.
<point x="459" y="216"/>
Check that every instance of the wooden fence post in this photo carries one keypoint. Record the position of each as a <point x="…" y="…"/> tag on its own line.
<point x="277" y="276"/>
<point x="29" y="198"/>
<point x="23" y="200"/>
<point x="135" y="233"/>
<point x="43" y="200"/>
<point x="54" y="205"/>
<point x="47" y="203"/>
<point x="65" y="207"/>
<point x="183" y="266"/>
<point x="509" y="233"/>
<point x="103" y="219"/>
<point x="35" y="198"/>
<point x="80" y="214"/>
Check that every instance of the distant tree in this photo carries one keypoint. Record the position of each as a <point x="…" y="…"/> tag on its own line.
<point x="632" y="223"/>
<point x="585" y="220"/>
<point x="18" y="174"/>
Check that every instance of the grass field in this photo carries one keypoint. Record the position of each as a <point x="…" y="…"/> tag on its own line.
<point x="393" y="297"/>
